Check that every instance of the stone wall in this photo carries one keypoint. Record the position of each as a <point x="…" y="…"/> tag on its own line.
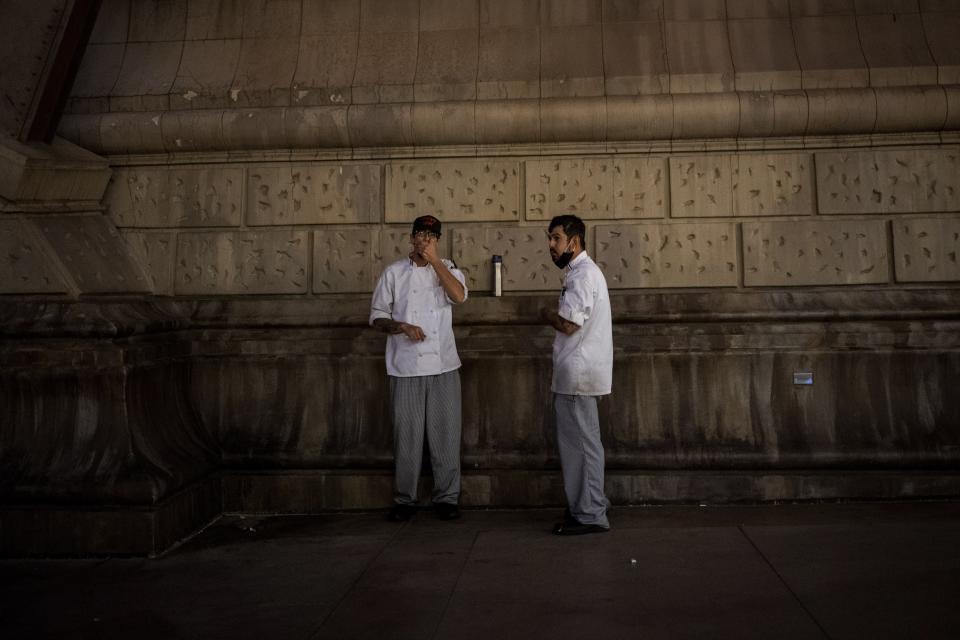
<point x="770" y="187"/>
<point x="852" y="217"/>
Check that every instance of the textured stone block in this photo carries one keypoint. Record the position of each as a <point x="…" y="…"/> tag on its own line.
<point x="668" y="255"/>
<point x="583" y="186"/>
<point x="94" y="254"/>
<point x="156" y="252"/>
<point x="701" y="186"/>
<point x="319" y="194"/>
<point x="464" y="191"/>
<point x="25" y="266"/>
<point x="152" y="197"/>
<point x="773" y="184"/>
<point x="777" y="254"/>
<point x="238" y="262"/>
<point x="526" y="258"/>
<point x="899" y="181"/>
<point x="345" y="260"/>
<point x="138" y="197"/>
<point x="640" y="187"/>
<point x="926" y="249"/>
<point x="210" y="197"/>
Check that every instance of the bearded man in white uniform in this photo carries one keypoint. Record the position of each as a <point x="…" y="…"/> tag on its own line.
<point x="582" y="373"/>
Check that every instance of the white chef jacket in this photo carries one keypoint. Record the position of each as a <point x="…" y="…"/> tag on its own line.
<point x="412" y="294"/>
<point x="583" y="361"/>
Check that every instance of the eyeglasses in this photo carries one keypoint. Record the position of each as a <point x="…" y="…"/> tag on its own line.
<point x="425" y="235"/>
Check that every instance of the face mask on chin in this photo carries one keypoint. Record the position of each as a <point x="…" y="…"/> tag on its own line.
<point x="564" y="258"/>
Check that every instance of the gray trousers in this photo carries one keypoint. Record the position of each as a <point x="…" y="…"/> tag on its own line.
<point x="431" y="405"/>
<point x="581" y="457"/>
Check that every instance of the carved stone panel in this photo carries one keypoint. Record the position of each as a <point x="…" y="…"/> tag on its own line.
<point x="177" y="197"/>
<point x="156" y="252"/>
<point x="526" y="260"/>
<point x="208" y="197"/>
<point x="138" y="197"/>
<point x="472" y="255"/>
<point x="701" y="186"/>
<point x="926" y="249"/>
<point x="900" y="181"/>
<point x="640" y="188"/>
<point x="24" y="265"/>
<point x="773" y="184"/>
<point x="668" y="255"/>
<point x="91" y="250"/>
<point x="582" y="186"/>
<point x="815" y="253"/>
<point x="345" y="260"/>
<point x="242" y="262"/>
<point x="313" y="194"/>
<point x="453" y="191"/>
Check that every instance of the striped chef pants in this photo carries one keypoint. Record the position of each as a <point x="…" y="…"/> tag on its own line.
<point x="428" y="404"/>
<point x="581" y="457"/>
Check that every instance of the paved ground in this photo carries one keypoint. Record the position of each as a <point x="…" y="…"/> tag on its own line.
<point x="798" y="571"/>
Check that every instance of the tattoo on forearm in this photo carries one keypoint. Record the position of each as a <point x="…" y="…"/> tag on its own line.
<point x="387" y="325"/>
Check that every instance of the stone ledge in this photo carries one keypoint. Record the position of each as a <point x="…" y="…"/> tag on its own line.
<point x="689" y="116"/>
<point x="320" y="491"/>
<point x="118" y="318"/>
<point x="51" y="530"/>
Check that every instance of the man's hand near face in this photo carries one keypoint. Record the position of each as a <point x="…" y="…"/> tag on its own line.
<point x="429" y="251"/>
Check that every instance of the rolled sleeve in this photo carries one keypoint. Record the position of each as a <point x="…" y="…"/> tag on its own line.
<point x="381" y="306"/>
<point x="461" y="279"/>
<point x="576" y="304"/>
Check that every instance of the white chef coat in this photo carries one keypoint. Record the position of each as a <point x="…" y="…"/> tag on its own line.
<point x="412" y="294"/>
<point x="583" y="361"/>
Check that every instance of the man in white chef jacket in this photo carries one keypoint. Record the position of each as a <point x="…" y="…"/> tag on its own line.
<point x="582" y="373"/>
<point x="413" y="303"/>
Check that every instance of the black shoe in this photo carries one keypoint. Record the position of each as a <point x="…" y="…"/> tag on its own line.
<point x="577" y="529"/>
<point x="569" y="519"/>
<point x="401" y="512"/>
<point x="446" y="510"/>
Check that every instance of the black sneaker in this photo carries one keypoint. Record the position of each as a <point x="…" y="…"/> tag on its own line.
<point x="401" y="512"/>
<point x="577" y="528"/>
<point x="446" y="510"/>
